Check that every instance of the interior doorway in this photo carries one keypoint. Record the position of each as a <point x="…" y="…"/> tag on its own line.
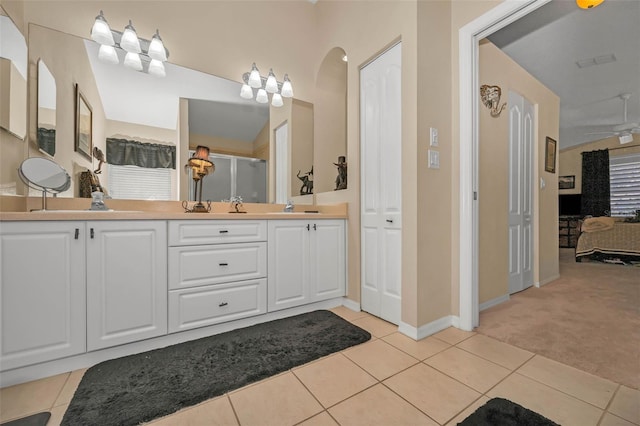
<point x="469" y="38"/>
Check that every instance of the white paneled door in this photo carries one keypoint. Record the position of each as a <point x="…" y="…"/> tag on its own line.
<point x="521" y="134"/>
<point x="381" y="194"/>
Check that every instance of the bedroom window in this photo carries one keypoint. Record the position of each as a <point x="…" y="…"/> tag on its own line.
<point x="625" y="184"/>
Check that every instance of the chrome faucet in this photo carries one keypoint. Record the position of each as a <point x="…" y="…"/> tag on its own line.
<point x="289" y="207"/>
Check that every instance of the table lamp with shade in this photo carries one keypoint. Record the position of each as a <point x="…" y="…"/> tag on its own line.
<point x="200" y="166"/>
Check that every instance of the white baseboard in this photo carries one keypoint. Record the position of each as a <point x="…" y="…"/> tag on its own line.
<point x="428" y="329"/>
<point x="63" y="365"/>
<point x="547" y="281"/>
<point x="493" y="302"/>
<point x="348" y="303"/>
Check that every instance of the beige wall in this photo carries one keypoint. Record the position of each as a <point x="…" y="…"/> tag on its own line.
<point x="496" y="68"/>
<point x="571" y="158"/>
<point x="261" y="144"/>
<point x="221" y="145"/>
<point x="301" y="129"/>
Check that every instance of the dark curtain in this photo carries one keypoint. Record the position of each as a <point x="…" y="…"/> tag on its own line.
<point x="47" y="140"/>
<point x="123" y="152"/>
<point x="595" y="183"/>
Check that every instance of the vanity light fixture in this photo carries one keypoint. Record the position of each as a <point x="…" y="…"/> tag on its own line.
<point x="141" y="54"/>
<point x="265" y="85"/>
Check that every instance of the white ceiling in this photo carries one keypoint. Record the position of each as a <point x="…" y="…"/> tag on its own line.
<point x="549" y="41"/>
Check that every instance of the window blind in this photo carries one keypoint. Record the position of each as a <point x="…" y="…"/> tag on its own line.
<point x="139" y="183"/>
<point x="624" y="180"/>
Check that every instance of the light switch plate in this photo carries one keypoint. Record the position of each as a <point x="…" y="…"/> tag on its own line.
<point x="434" y="159"/>
<point x="433" y="136"/>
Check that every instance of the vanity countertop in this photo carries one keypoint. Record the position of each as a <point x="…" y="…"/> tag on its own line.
<point x="140" y="215"/>
<point x="76" y="209"/>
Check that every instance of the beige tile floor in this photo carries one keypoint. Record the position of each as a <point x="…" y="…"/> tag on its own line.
<point x="391" y="380"/>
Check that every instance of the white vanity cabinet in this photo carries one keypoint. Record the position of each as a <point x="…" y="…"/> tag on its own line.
<point x="126" y="281"/>
<point x="306" y="262"/>
<point x="217" y="272"/>
<point x="42" y="291"/>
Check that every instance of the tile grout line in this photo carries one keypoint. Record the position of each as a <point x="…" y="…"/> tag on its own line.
<point x="233" y="408"/>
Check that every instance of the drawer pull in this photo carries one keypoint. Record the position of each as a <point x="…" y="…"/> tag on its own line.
<point x="92" y="233"/>
<point x="389" y="221"/>
<point x="223" y="304"/>
<point x="77" y="233"/>
<point x="308" y="227"/>
<point x="314" y="227"/>
<point x="223" y="264"/>
<point x="224" y="231"/>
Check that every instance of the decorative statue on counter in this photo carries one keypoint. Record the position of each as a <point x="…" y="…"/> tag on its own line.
<point x="307" y="182"/>
<point x="341" y="180"/>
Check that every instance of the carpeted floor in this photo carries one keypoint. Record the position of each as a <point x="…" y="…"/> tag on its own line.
<point x="148" y="385"/>
<point x="589" y="318"/>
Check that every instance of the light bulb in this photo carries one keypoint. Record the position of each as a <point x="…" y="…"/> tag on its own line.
<point x="262" y="97"/>
<point x="254" y="78"/>
<point x="156" y="48"/>
<point x="132" y="60"/>
<point x="276" y="100"/>
<point x="108" y="54"/>
<point x="101" y="32"/>
<point x="246" y="92"/>
<point x="272" y="83"/>
<point x="287" y="89"/>
<point x="156" y="68"/>
<point x="129" y="41"/>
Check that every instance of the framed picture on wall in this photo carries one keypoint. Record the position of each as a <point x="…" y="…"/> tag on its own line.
<point x="550" y="155"/>
<point x="84" y="122"/>
<point x="566" y="182"/>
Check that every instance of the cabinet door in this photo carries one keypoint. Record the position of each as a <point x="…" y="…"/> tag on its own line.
<point x="288" y="253"/>
<point x="42" y="292"/>
<point x="327" y="260"/>
<point x="126" y="282"/>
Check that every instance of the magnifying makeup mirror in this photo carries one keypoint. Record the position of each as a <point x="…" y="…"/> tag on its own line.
<point x="44" y="175"/>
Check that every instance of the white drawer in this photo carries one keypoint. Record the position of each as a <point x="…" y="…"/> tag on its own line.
<point x="197" y="232"/>
<point x="193" y="266"/>
<point x="202" y="306"/>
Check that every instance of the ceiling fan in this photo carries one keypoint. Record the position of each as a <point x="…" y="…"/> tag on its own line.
<point x="623" y="131"/>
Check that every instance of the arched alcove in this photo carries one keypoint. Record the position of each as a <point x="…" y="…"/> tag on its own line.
<point x="330" y="116"/>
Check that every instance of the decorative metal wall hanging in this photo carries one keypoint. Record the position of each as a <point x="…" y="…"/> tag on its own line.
<point x="490" y="96"/>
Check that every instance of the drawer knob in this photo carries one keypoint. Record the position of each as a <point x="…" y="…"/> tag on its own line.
<point x="223" y="304"/>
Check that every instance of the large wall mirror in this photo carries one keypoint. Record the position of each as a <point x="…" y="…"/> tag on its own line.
<point x="13" y="103"/>
<point x="170" y="114"/>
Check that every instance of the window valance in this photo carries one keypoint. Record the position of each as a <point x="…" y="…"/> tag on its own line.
<point x="123" y="152"/>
